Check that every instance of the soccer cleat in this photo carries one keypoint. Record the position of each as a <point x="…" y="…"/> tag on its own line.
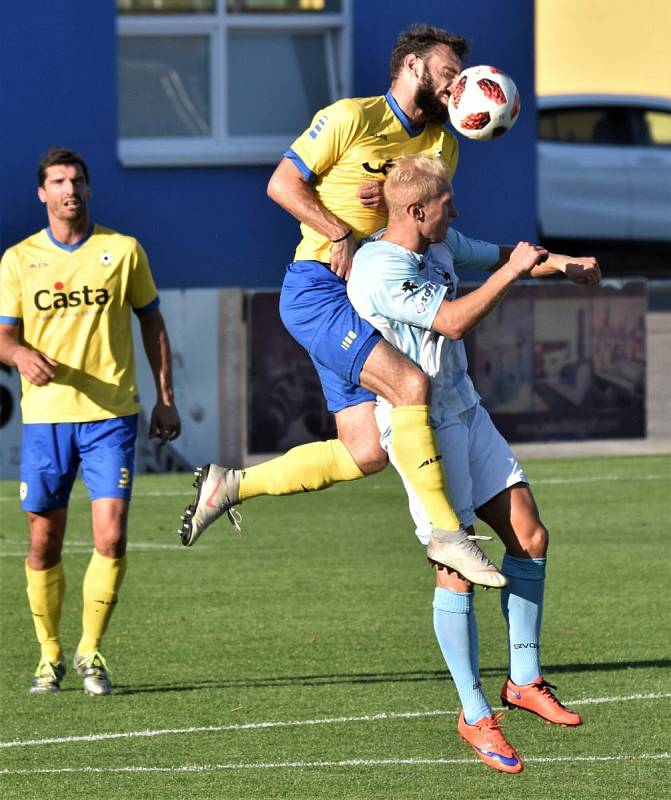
<point x="538" y="698"/>
<point x="217" y="491"/>
<point x="93" y="669"/>
<point x="458" y="551"/>
<point x="47" y="678"/>
<point x="490" y="744"/>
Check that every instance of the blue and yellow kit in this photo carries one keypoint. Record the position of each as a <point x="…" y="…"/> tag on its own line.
<point x="73" y="303"/>
<point x="353" y="141"/>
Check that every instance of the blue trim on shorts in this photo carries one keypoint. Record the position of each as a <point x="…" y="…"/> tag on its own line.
<point x="14" y="321"/>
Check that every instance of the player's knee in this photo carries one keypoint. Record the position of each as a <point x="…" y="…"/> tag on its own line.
<point x="535" y="540"/>
<point x="413" y="389"/>
<point x="368" y="454"/>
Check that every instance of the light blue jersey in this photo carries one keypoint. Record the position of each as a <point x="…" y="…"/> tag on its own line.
<point x="399" y="292"/>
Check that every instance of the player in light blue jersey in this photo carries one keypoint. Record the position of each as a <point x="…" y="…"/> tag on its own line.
<point x="405" y="284"/>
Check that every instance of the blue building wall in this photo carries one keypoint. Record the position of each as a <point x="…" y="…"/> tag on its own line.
<point x="214" y="226"/>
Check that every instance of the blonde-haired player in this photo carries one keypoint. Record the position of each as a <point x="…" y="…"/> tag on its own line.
<point x="405" y="284"/>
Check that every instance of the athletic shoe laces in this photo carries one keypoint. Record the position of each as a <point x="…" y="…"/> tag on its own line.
<point x="545" y="689"/>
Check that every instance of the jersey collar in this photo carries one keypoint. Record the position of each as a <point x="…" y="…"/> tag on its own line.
<point x="70" y="247"/>
<point x="402" y="117"/>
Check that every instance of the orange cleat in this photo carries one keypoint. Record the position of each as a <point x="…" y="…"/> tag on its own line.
<point x="537" y="697"/>
<point x="489" y="743"/>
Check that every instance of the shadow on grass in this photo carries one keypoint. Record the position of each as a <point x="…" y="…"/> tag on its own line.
<point x="375" y="677"/>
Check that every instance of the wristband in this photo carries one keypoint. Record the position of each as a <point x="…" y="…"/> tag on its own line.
<point x="342" y="238"/>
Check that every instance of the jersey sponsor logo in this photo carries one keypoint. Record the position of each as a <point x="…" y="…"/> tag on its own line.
<point x="382" y="136"/>
<point x="46" y="299"/>
<point x="38" y="265"/>
<point x="430" y="461"/>
<point x="382" y="167"/>
<point x="526" y="645"/>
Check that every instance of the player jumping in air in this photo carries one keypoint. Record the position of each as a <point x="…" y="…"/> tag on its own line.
<point x="331" y="180"/>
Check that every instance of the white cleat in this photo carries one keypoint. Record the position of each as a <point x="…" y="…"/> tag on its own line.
<point x="217" y="491"/>
<point x="458" y="551"/>
<point x="92" y="668"/>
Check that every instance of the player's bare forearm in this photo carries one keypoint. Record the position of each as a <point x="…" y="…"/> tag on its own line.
<point x="455" y="318"/>
<point x="583" y="269"/>
<point x="293" y="193"/>
<point x="32" y="365"/>
<point x="164" y="423"/>
<point x="157" y="348"/>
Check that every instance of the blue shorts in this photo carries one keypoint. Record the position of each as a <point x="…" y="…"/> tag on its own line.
<point x="316" y="311"/>
<point x="52" y="452"/>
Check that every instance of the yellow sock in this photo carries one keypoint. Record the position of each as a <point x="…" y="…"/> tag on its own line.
<point x="418" y="459"/>
<point x="305" y="468"/>
<point x="46" y="588"/>
<point x="101" y="587"/>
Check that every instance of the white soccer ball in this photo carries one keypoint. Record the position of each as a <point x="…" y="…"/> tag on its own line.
<point x="484" y="104"/>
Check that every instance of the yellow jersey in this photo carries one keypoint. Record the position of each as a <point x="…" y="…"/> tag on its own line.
<point x="351" y="142"/>
<point x="73" y="303"/>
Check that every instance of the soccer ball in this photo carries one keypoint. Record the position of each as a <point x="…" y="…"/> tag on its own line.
<point x="484" y="104"/>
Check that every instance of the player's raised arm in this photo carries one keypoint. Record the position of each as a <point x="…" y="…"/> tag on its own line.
<point x="582" y="270"/>
<point x="455" y="318"/>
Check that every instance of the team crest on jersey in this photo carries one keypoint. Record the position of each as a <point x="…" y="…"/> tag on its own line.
<point x="106" y="259"/>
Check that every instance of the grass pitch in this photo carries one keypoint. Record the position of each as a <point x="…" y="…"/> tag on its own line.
<point x="298" y="660"/>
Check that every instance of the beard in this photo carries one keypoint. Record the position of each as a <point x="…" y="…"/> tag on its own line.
<point x="426" y="99"/>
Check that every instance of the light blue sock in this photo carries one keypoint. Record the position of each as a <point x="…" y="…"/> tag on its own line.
<point x="522" y="606"/>
<point x="457" y="634"/>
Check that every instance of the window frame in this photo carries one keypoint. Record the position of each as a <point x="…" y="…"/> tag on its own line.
<point x="220" y="147"/>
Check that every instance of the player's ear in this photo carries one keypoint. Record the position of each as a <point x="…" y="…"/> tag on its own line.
<point x="416" y="211"/>
<point x="414" y="63"/>
<point x="41" y="194"/>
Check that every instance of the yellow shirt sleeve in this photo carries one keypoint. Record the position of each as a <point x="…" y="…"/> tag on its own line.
<point x="11" y="301"/>
<point x="332" y="132"/>
<point x="141" y="287"/>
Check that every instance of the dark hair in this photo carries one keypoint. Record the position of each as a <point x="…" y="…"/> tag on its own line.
<point x="59" y="155"/>
<point x="420" y="39"/>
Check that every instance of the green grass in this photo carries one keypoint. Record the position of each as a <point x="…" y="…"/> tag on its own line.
<point x="322" y="610"/>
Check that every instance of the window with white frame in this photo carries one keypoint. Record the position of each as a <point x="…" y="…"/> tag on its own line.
<point x="225" y="81"/>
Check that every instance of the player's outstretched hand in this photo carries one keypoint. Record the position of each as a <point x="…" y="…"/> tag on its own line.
<point x="371" y="195"/>
<point x="342" y="254"/>
<point x="525" y="257"/>
<point x="35" y="367"/>
<point x="165" y="423"/>
<point x="583" y="270"/>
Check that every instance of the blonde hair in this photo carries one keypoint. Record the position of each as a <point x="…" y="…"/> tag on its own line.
<point x="414" y="179"/>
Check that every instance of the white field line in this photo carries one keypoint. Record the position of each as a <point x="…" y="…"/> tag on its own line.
<point x="4" y="498"/>
<point x="246" y="726"/>
<point x="75" y="548"/>
<point x="353" y="762"/>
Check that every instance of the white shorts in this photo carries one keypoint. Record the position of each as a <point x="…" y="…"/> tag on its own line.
<point x="477" y="463"/>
